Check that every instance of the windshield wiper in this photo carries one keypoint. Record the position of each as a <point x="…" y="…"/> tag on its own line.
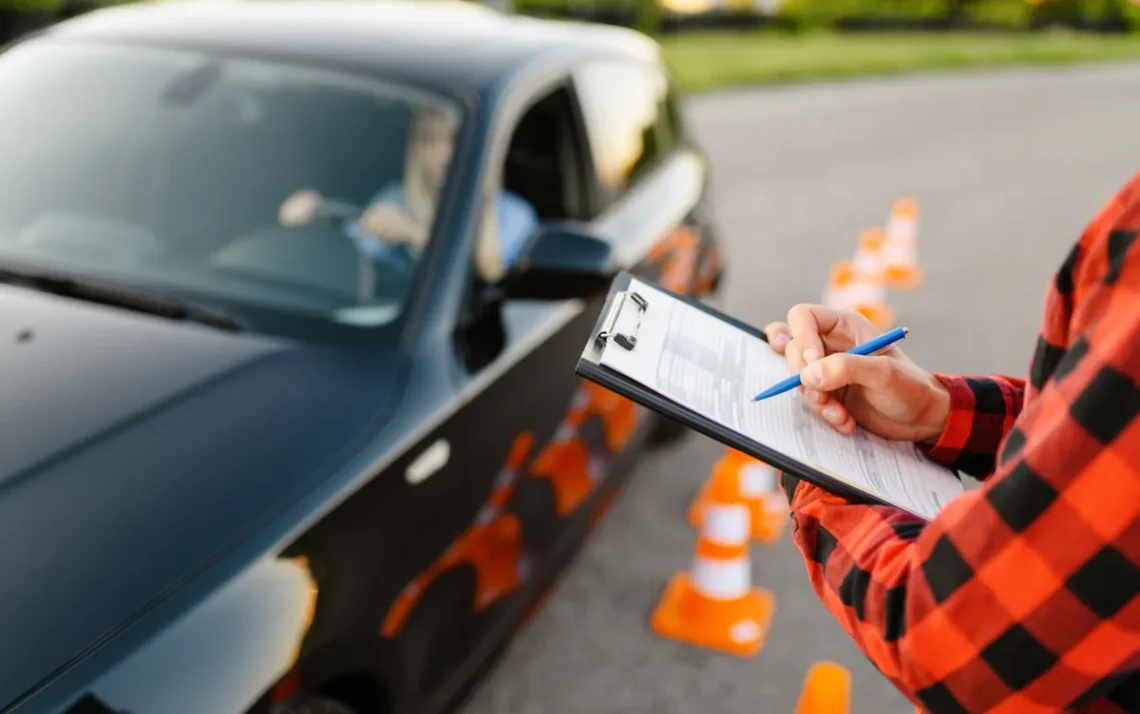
<point x="118" y="296"/>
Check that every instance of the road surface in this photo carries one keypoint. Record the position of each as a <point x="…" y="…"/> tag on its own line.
<point x="1007" y="168"/>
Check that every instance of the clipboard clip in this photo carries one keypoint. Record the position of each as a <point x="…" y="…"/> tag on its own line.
<point x="626" y="340"/>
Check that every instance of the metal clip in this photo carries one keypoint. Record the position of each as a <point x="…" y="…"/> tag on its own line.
<point x="627" y="341"/>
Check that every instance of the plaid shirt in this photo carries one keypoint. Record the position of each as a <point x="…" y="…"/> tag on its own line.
<point x="1021" y="596"/>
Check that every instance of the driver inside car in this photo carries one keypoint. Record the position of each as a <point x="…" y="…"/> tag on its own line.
<point x="398" y="218"/>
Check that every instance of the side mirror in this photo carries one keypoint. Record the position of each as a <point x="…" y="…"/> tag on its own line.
<point x="561" y="261"/>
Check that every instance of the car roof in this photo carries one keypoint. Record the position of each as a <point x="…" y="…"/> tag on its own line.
<point x="451" y="41"/>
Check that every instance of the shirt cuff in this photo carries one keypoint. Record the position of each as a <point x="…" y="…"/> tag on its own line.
<point x="960" y="423"/>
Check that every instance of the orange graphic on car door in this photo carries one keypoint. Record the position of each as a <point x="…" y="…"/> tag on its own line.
<point x="619" y="415"/>
<point x="678" y="254"/>
<point x="709" y="272"/>
<point x="492" y="545"/>
<point x="567" y="461"/>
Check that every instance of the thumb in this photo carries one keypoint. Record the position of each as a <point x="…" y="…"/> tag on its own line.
<point x="842" y="370"/>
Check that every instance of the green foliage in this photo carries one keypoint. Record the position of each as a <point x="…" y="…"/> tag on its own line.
<point x="30" y="5"/>
<point x="822" y="14"/>
<point x="828" y="12"/>
<point x="1010" y="14"/>
<point x="1088" y="12"/>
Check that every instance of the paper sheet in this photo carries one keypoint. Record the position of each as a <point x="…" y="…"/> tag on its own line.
<point x="715" y="369"/>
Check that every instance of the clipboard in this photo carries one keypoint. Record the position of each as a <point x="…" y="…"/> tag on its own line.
<point x="618" y="322"/>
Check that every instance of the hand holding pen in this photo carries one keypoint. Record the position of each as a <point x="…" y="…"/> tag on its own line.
<point x="870" y="347"/>
<point x="883" y="391"/>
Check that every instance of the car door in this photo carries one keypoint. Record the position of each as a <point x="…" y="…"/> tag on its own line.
<point x="537" y="446"/>
<point x="516" y="359"/>
<point x="553" y="444"/>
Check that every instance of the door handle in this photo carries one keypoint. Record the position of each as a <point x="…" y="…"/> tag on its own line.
<point x="424" y="466"/>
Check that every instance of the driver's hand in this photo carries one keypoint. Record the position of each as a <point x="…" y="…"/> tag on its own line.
<point x="887" y="393"/>
<point x="392" y="226"/>
<point x="300" y="208"/>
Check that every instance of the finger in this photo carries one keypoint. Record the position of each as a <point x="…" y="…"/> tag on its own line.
<point x="805" y="329"/>
<point x="842" y="369"/>
<point x="793" y="355"/>
<point x="825" y="406"/>
<point x="779" y="335"/>
<point x="841" y="421"/>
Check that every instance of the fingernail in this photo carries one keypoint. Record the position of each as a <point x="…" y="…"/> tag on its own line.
<point x="811" y="395"/>
<point x="780" y="340"/>
<point x="832" y="414"/>
<point x="810" y="355"/>
<point x="812" y="375"/>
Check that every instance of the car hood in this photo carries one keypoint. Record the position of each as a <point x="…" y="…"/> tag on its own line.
<point x="133" y="449"/>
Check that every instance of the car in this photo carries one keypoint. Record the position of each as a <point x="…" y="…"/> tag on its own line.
<point x="248" y="465"/>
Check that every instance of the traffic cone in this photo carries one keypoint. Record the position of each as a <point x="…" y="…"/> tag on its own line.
<point x="768" y="511"/>
<point x="870" y="254"/>
<point x="715" y="605"/>
<point x="827" y="690"/>
<point x="851" y="289"/>
<point x="901" y="249"/>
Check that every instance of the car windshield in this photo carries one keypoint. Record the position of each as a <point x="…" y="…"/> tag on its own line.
<point x="253" y="186"/>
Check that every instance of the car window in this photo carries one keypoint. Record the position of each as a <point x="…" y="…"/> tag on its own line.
<point x="243" y="182"/>
<point x="630" y="115"/>
<point x="540" y="179"/>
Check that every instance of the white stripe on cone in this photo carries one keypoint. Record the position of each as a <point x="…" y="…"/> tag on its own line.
<point x="722" y="579"/>
<point x="860" y="293"/>
<point x="900" y="252"/>
<point x="868" y="262"/>
<point x="726" y="524"/>
<point x="902" y="228"/>
<point x="757" y="479"/>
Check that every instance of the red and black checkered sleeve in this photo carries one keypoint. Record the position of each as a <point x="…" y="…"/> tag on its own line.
<point x="1022" y="595"/>
<point x="982" y="411"/>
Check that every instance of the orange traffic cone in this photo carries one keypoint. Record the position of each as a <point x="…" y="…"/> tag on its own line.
<point x="715" y="605"/>
<point x="851" y="289"/>
<point x="768" y="511"/>
<point x="870" y="254"/>
<point x="827" y="690"/>
<point x="901" y="250"/>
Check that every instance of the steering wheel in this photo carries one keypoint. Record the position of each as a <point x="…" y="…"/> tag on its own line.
<point x="315" y="258"/>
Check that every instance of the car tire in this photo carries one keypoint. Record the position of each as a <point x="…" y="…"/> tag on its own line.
<point x="320" y="705"/>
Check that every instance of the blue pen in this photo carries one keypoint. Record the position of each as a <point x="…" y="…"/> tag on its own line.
<point x="870" y="347"/>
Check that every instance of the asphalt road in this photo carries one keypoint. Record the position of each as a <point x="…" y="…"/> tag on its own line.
<point x="1007" y="168"/>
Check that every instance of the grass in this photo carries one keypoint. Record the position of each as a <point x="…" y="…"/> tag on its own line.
<point x="709" y="59"/>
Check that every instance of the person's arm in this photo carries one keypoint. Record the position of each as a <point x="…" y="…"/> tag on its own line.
<point x="506" y="226"/>
<point x="517" y="222"/>
<point x="488" y="257"/>
<point x="982" y="411"/>
<point x="1020" y="595"/>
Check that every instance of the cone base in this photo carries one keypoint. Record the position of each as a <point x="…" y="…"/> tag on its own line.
<point x="675" y="618"/>
<point x="904" y="277"/>
<point x="767" y="526"/>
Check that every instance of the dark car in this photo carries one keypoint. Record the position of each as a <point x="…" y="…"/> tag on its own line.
<point x="264" y="448"/>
